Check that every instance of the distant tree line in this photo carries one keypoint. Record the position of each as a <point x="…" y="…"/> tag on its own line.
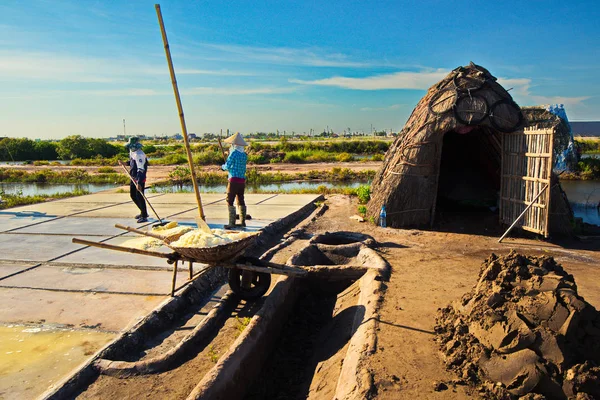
<point x="75" y="146"/>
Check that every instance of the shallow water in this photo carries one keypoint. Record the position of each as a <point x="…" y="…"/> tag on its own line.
<point x="31" y="189"/>
<point x="266" y="187"/>
<point x="34" y="358"/>
<point x="584" y="197"/>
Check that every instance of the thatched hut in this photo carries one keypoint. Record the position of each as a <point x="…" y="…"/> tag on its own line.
<point x="468" y="142"/>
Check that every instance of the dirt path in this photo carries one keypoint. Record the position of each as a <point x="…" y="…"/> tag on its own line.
<point x="429" y="270"/>
<point x="161" y="172"/>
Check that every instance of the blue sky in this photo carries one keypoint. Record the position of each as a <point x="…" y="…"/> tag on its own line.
<point x="81" y="67"/>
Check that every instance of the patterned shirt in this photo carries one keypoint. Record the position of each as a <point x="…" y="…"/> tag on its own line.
<point x="236" y="164"/>
<point x="138" y="165"/>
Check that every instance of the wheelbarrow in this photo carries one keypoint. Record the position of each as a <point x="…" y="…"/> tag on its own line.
<point x="249" y="277"/>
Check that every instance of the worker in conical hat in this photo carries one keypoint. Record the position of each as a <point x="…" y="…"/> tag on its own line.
<point x="235" y="165"/>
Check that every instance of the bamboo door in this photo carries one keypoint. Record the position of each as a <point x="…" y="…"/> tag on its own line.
<point x="526" y="170"/>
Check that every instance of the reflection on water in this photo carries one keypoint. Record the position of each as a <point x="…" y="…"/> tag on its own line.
<point x="266" y="187"/>
<point x="584" y="197"/>
<point x="34" y="358"/>
<point x="30" y="189"/>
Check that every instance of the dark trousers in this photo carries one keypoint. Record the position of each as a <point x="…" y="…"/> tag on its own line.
<point x="236" y="189"/>
<point x="138" y="199"/>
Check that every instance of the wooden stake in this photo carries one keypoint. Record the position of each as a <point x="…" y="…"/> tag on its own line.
<point x="180" y="109"/>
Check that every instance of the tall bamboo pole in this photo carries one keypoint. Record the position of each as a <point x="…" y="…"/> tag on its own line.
<point x="180" y="109"/>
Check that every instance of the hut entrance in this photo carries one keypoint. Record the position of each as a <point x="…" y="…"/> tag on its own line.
<point x="469" y="177"/>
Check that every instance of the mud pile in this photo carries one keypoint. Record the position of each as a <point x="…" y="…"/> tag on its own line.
<point x="523" y="331"/>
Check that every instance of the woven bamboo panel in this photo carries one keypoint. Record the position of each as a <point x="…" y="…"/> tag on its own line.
<point x="526" y="170"/>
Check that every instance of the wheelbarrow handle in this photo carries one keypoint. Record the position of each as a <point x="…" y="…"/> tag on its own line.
<point x="143" y="232"/>
<point x="169" y="256"/>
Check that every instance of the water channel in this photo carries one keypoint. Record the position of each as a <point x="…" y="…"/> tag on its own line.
<point x="583" y="195"/>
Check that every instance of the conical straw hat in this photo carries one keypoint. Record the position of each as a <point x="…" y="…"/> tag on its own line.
<point x="236" y="139"/>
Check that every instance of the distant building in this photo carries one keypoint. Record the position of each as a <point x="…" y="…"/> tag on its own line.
<point x="585" y="128"/>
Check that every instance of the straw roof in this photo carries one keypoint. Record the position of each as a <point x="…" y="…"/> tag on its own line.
<point x="468" y="98"/>
<point x="407" y="182"/>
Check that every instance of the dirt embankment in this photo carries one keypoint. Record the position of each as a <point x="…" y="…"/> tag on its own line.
<point x="430" y="269"/>
<point x="161" y="172"/>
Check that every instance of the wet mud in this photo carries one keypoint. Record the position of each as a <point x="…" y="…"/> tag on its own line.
<point x="523" y="332"/>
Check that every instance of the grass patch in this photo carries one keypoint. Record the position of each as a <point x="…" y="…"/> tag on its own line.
<point x="241" y="324"/>
<point x="181" y="176"/>
<point x="589" y="146"/>
<point x="15" y="200"/>
<point x="213" y="355"/>
<point x="107" y="170"/>
<point x="70" y="176"/>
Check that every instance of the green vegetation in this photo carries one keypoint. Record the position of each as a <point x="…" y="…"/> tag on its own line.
<point x="83" y="151"/>
<point x="364" y="194"/>
<point x="362" y="210"/>
<point x="14" y="200"/>
<point x="181" y="176"/>
<point x="22" y="149"/>
<point x="241" y="324"/>
<point x="107" y="170"/>
<point x="49" y="176"/>
<point x="76" y="146"/>
<point x="588" y="145"/>
<point x="589" y="168"/>
<point x="213" y="355"/>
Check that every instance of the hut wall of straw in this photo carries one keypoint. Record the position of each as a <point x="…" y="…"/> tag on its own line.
<point x="468" y="98"/>
<point x="407" y="183"/>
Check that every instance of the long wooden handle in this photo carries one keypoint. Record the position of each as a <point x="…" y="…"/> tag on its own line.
<point x="124" y="249"/>
<point x="222" y="151"/>
<point x="141" y="232"/>
<point x="180" y="109"/>
<point x="142" y="193"/>
<point x="523" y="213"/>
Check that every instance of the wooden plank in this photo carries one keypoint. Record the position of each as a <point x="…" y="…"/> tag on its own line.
<point x="524" y="202"/>
<point x="527" y="178"/>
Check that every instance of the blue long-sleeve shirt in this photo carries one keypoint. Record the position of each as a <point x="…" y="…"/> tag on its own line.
<point x="236" y="164"/>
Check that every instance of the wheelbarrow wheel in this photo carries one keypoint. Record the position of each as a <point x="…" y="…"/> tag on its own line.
<point x="249" y="285"/>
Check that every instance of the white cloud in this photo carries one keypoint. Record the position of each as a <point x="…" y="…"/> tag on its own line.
<point x="521" y="90"/>
<point x="53" y="67"/>
<point x="191" y="71"/>
<point x="398" y="80"/>
<point x="56" y="67"/>
<point x="312" y="57"/>
<point x="236" y="91"/>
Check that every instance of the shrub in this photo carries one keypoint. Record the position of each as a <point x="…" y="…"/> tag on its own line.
<point x="589" y="168"/>
<point x="180" y="175"/>
<point x="362" y="210"/>
<point x="294" y="157"/>
<point x="171" y="159"/>
<point x="377" y="157"/>
<point x="209" y="158"/>
<point x="364" y="194"/>
<point x="106" y="170"/>
<point x="257" y="159"/>
<point x="149" y="149"/>
<point x="345" y="157"/>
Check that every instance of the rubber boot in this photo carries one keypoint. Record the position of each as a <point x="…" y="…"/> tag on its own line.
<point x="231" y="224"/>
<point x="243" y="216"/>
